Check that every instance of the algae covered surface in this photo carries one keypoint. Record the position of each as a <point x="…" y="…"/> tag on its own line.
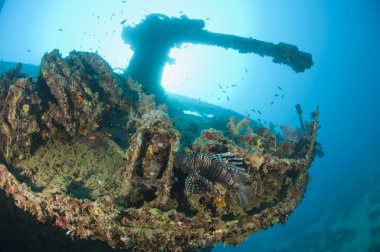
<point x="112" y="176"/>
<point x="93" y="152"/>
<point x="83" y="169"/>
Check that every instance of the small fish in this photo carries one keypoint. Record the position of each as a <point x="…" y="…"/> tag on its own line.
<point x="224" y="91"/>
<point x="123" y="1"/>
<point x="208" y="18"/>
<point x="224" y="168"/>
<point x="246" y="70"/>
<point x="98" y="17"/>
<point x="218" y="98"/>
<point x="279" y="88"/>
<point x="220" y="86"/>
<point x="258" y="111"/>
<point x="28" y="50"/>
<point x="272" y="103"/>
<point x="276" y="95"/>
<point x="259" y="120"/>
<point x="233" y="85"/>
<point x="228" y="98"/>
<point x="122" y="22"/>
<point x="60" y="30"/>
<point x="282" y="96"/>
<point x="220" y="203"/>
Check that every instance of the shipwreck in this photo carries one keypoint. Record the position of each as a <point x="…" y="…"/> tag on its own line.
<point x="92" y="153"/>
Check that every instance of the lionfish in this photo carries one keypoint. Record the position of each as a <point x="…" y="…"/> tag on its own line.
<point x="224" y="168"/>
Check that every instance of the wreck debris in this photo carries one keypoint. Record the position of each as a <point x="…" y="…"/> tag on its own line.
<point x="150" y="159"/>
<point x="123" y="189"/>
<point x="273" y="178"/>
<point x="278" y="186"/>
<point x="175" y="31"/>
<point x="7" y="80"/>
<point x="82" y="89"/>
<point x="73" y="97"/>
<point x="19" y="120"/>
<point x="297" y="140"/>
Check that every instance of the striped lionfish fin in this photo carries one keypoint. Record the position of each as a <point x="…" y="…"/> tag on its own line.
<point x="197" y="184"/>
<point x="244" y="193"/>
<point x="240" y="177"/>
<point x="230" y="161"/>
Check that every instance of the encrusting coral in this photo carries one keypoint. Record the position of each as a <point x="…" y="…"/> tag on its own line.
<point x="18" y="109"/>
<point x="77" y="96"/>
<point x="89" y="152"/>
<point x="236" y="127"/>
<point x="80" y="91"/>
<point x="19" y="120"/>
<point x="149" y="160"/>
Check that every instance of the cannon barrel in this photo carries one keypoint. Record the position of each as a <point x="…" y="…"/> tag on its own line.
<point x="153" y="38"/>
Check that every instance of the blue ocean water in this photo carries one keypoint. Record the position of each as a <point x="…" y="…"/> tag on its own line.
<point x="341" y="209"/>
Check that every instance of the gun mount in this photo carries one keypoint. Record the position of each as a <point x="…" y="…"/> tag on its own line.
<point x="153" y="38"/>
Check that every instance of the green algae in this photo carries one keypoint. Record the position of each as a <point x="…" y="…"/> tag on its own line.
<point x="83" y="169"/>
